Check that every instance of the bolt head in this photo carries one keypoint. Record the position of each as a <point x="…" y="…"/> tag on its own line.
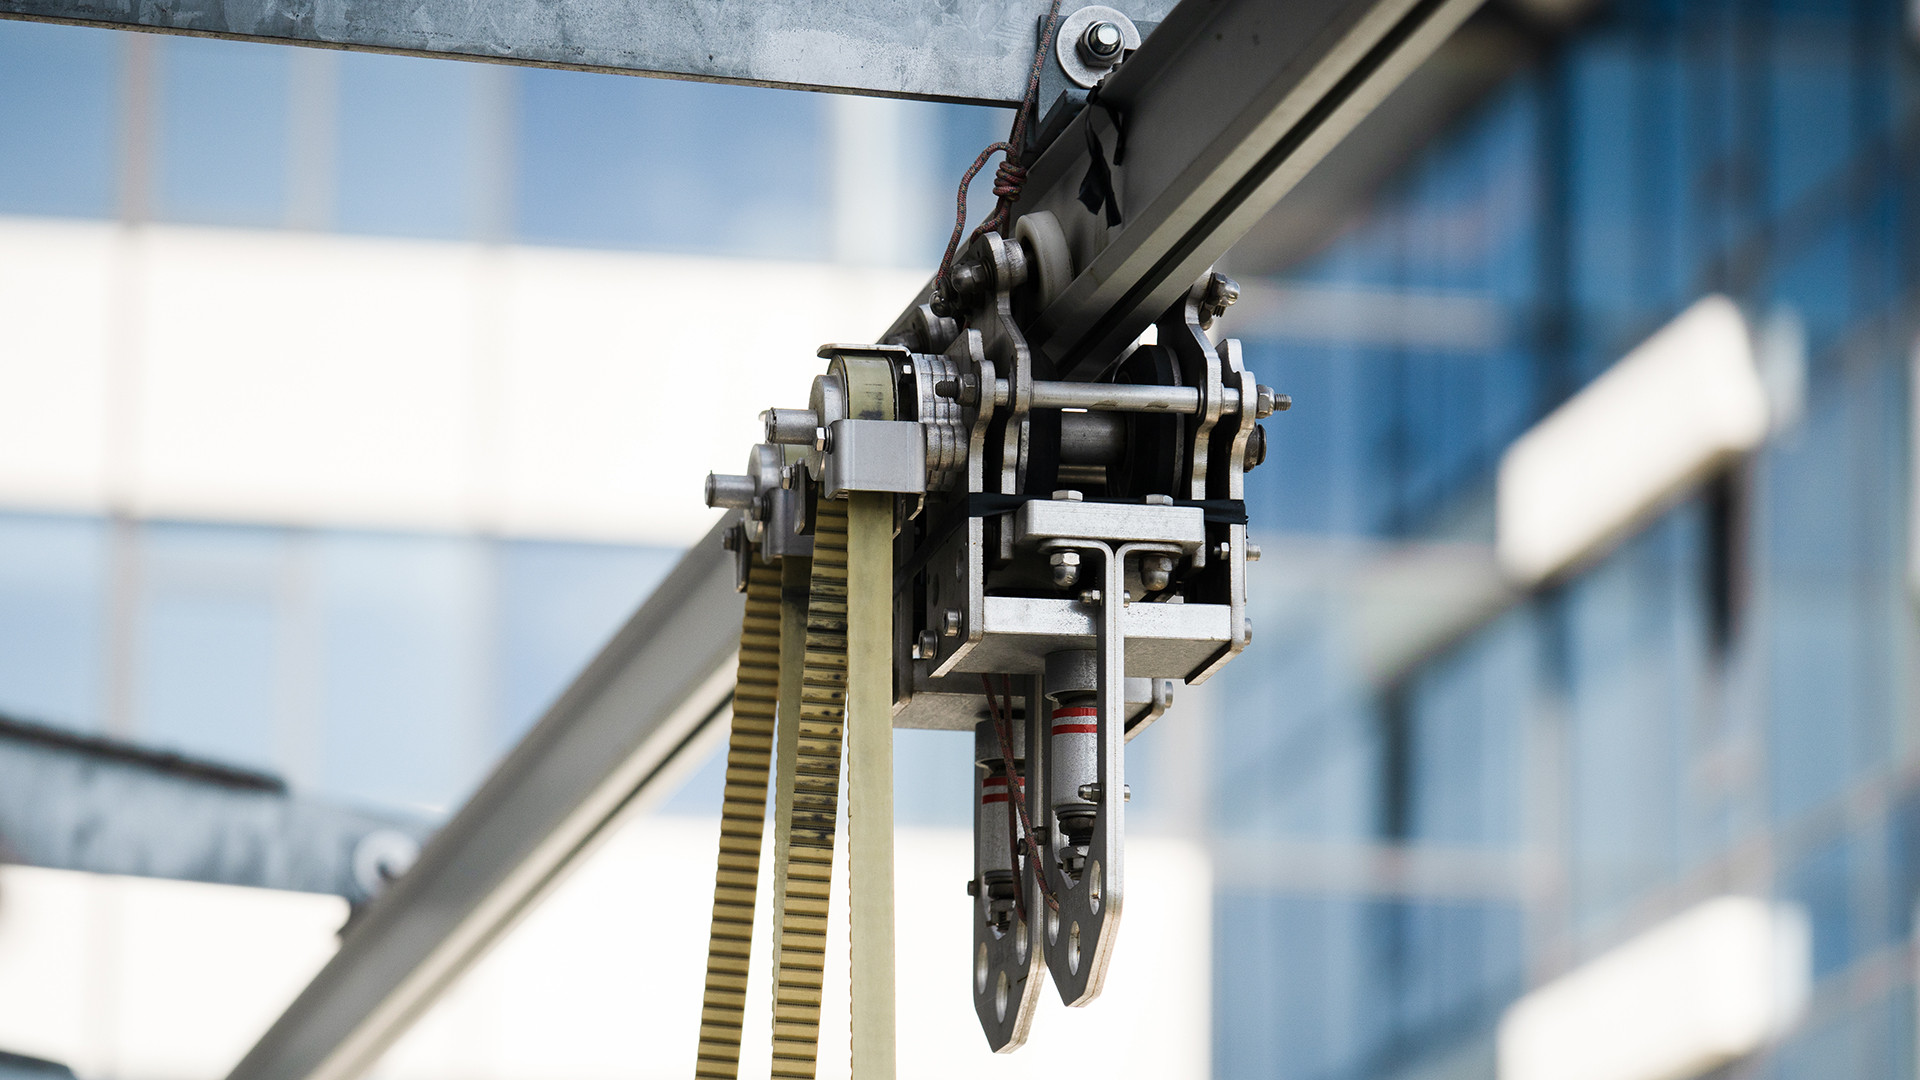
<point x="1263" y="403"/>
<point x="1068" y="496"/>
<point x="822" y="439"/>
<point x="1104" y="39"/>
<point x="1159" y="500"/>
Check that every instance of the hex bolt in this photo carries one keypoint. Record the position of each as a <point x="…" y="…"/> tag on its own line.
<point x="1090" y="596"/>
<point x="1066" y="568"/>
<point x="1068" y="496"/>
<point x="1091" y="792"/>
<point x="929" y="644"/>
<point x="950" y="623"/>
<point x="970" y="279"/>
<point x="1222" y="293"/>
<point x="1156" y="572"/>
<point x="1158" y="500"/>
<point x="1263" y="402"/>
<point x="1101" y="43"/>
<point x="1253" y="551"/>
<point x="822" y="440"/>
<point x="965" y="389"/>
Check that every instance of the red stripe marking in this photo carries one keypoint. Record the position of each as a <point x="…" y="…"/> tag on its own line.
<point x="1077" y="710"/>
<point x="985" y="799"/>
<point x="1076" y="729"/>
<point x="1001" y="781"/>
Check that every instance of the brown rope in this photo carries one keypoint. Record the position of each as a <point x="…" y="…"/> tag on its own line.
<point x="1012" y="172"/>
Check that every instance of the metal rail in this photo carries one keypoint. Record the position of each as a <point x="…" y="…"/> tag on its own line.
<point x="971" y="51"/>
<point x="1227" y="104"/>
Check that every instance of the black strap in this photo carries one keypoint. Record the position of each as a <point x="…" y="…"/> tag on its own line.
<point x="1096" y="190"/>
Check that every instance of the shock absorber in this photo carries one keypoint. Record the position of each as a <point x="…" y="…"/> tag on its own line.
<point x="996" y="828"/>
<point x="1073" y="750"/>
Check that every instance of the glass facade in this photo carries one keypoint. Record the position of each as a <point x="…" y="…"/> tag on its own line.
<point x="1720" y="704"/>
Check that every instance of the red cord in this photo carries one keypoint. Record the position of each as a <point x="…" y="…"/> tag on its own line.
<point x="1002" y="723"/>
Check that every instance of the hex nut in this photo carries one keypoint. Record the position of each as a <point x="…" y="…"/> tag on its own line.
<point x="1066" y="568"/>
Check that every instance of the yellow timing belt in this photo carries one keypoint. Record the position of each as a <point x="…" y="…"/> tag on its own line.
<point x="742" y="821"/>
<point x="814" y="788"/>
<point x="806" y="802"/>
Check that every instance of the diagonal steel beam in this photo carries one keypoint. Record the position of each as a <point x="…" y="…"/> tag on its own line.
<point x="971" y="51"/>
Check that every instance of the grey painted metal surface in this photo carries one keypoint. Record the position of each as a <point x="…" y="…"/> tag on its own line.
<point x="79" y="803"/>
<point x="630" y="715"/>
<point x="974" y="51"/>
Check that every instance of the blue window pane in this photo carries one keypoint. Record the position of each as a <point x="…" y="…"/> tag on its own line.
<point x="410" y="144"/>
<point x="679" y="166"/>
<point x="52" y="618"/>
<point x="59" y="117"/>
<point x="210" y="637"/>
<point x="223" y="145"/>
<point x="559" y="603"/>
<point x="403" y="669"/>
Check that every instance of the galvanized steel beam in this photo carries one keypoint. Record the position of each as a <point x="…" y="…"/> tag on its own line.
<point x="972" y="51"/>
<point x="79" y="802"/>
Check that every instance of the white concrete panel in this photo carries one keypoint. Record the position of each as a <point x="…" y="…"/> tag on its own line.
<point x="59" y="299"/>
<point x="1705" y="988"/>
<point x="626" y="379"/>
<point x="603" y="980"/>
<point x="148" y="979"/>
<point x="308" y="379"/>
<point x="1681" y="405"/>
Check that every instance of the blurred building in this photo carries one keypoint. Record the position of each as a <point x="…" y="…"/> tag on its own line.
<point x="335" y="436"/>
